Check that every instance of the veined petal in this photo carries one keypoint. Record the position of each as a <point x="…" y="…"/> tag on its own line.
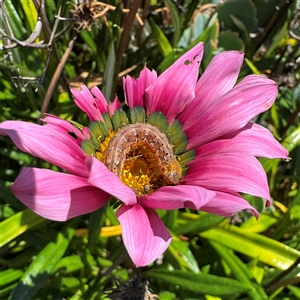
<point x="63" y="126"/>
<point x="253" y="139"/>
<point x="219" y="77"/>
<point x="174" y="89"/>
<point x="101" y="102"/>
<point x="227" y="204"/>
<point x="87" y="103"/>
<point x="179" y="196"/>
<point x="134" y="89"/>
<point x="48" y="144"/>
<point x="144" y="234"/>
<point x="57" y="196"/>
<point x="253" y="95"/>
<point x="229" y="172"/>
<point x="109" y="182"/>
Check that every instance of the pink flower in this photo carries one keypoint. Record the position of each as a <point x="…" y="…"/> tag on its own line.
<point x="182" y="142"/>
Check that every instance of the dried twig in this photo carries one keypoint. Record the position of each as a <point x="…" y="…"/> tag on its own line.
<point x="125" y="36"/>
<point x="56" y="76"/>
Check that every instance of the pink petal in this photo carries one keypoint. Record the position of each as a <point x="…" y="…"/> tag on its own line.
<point x="227" y="204"/>
<point x="48" y="144"/>
<point x="100" y="100"/>
<point x="109" y="182"/>
<point x="253" y="139"/>
<point x="87" y="103"/>
<point x="144" y="234"/>
<point x="252" y="96"/>
<point x="134" y="89"/>
<point x="112" y="107"/>
<point x="57" y="196"/>
<point x="63" y="126"/>
<point x="179" y="196"/>
<point x="219" y="77"/>
<point x="229" y="172"/>
<point x="174" y="89"/>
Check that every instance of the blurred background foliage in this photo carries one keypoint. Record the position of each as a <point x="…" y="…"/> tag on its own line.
<point x="47" y="46"/>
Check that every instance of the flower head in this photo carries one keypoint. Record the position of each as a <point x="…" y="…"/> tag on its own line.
<point x="181" y="142"/>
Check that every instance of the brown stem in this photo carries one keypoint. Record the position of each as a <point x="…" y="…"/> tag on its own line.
<point x="125" y="37"/>
<point x="271" y="22"/>
<point x="144" y="17"/>
<point x="40" y="7"/>
<point x="56" y="76"/>
<point x="275" y="283"/>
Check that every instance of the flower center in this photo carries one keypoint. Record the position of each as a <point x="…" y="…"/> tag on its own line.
<point x="142" y="156"/>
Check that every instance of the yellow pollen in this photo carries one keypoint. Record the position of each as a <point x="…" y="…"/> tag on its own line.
<point x="101" y="153"/>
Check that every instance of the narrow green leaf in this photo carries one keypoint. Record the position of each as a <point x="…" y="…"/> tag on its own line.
<point x="254" y="245"/>
<point x="9" y="276"/>
<point x="280" y="36"/>
<point x="210" y="39"/>
<point x="162" y="41"/>
<point x="176" y="22"/>
<point x="44" y="264"/>
<point x="292" y="140"/>
<point x="109" y="73"/>
<point x="85" y="35"/>
<point x="263" y="223"/>
<point x="69" y="264"/>
<point x="253" y="68"/>
<point x="239" y="270"/>
<point x="30" y="12"/>
<point x="182" y="253"/>
<point x="18" y="224"/>
<point x="295" y="291"/>
<point x="201" y="283"/>
<point x="192" y="223"/>
<point x="15" y="21"/>
<point x="96" y="220"/>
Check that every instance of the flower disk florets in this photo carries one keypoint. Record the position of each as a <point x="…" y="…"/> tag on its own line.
<point x="140" y="154"/>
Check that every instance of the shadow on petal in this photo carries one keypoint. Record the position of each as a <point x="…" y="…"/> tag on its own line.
<point x="144" y="234"/>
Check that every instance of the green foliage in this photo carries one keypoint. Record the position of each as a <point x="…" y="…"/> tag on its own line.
<point x="210" y="257"/>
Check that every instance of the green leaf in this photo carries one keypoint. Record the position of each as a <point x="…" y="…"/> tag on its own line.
<point x="210" y="39"/>
<point x="15" y="22"/>
<point x="176" y="22"/>
<point x="30" y="12"/>
<point x="69" y="264"/>
<point x="254" y="245"/>
<point x="192" y="223"/>
<point x="281" y="35"/>
<point x="162" y="41"/>
<point x="200" y="284"/>
<point x="182" y="253"/>
<point x="109" y="73"/>
<point x="44" y="264"/>
<point x="244" y="10"/>
<point x="295" y="211"/>
<point x="96" y="220"/>
<point x="9" y="276"/>
<point x="263" y="223"/>
<point x="18" y="224"/>
<point x="245" y="35"/>
<point x="240" y="271"/>
<point x="295" y="291"/>
<point x="292" y="140"/>
<point x="229" y="40"/>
